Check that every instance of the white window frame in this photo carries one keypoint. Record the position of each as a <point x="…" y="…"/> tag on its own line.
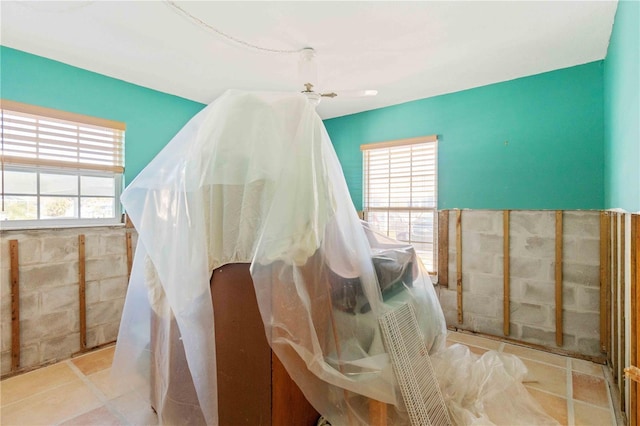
<point x="411" y="207"/>
<point x="38" y="166"/>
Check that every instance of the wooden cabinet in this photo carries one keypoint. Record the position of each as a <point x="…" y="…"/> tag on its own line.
<point x="253" y="386"/>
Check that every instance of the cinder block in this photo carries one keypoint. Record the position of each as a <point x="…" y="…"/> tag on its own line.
<point x="481" y="221"/>
<point x="568" y="296"/>
<point x="579" y="273"/>
<point x="104" y="312"/>
<point x="479" y="304"/>
<point x="5" y="283"/>
<point x="452" y="227"/>
<point x="5" y="362"/>
<point x="59" y="249"/>
<point x="29" y="305"/>
<point x="5" y="308"/>
<point x="29" y="251"/>
<point x="450" y="317"/>
<point x="532" y="223"/>
<point x="46" y="326"/>
<point x="5" y="336"/>
<point x="113" y="242"/>
<point x="543" y="336"/>
<point x="452" y="277"/>
<point x="474" y="242"/>
<point x="486" y="325"/>
<point x="581" y="250"/>
<point x="92" y="247"/>
<point x="38" y="277"/>
<point x="485" y="284"/>
<point x="582" y="324"/>
<point x="515" y="331"/>
<point x="585" y="224"/>
<point x="531" y="268"/>
<point x="479" y="262"/>
<point x="59" y="348"/>
<point x="467" y="321"/>
<point x="448" y="299"/>
<point x="588" y="299"/>
<point x="536" y="292"/>
<point x="517" y="288"/>
<point x="527" y="313"/>
<point x="95" y="336"/>
<point x="28" y="358"/>
<point x="113" y="288"/>
<point x="29" y="355"/>
<point x="589" y="346"/>
<point x="106" y="267"/>
<point x="5" y="256"/>
<point x="110" y="331"/>
<point x="546" y="337"/>
<point x="92" y="292"/>
<point x="58" y="299"/>
<point x="532" y="246"/>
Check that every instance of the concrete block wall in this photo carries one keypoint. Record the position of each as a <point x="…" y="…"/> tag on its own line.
<point x="49" y="300"/>
<point x="532" y="280"/>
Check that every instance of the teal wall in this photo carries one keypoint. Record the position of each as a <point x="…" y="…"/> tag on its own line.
<point x="622" y="110"/>
<point x="531" y="143"/>
<point x="152" y="117"/>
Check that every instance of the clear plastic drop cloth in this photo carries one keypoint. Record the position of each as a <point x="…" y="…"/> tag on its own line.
<point x="254" y="178"/>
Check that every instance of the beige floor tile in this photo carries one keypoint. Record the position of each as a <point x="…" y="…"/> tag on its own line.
<point x="100" y="416"/>
<point x="470" y="339"/>
<point x="546" y="377"/>
<point x="95" y="361"/>
<point x="587" y="367"/>
<point x="135" y="408"/>
<point x="554" y="406"/>
<point x="588" y="415"/>
<point x="19" y="387"/>
<point x="477" y="350"/>
<point x="105" y="384"/>
<point x="590" y="389"/>
<point x="144" y="416"/>
<point x="536" y="355"/>
<point x="51" y="406"/>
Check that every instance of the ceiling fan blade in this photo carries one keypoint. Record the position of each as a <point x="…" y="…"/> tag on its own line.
<point x="351" y="93"/>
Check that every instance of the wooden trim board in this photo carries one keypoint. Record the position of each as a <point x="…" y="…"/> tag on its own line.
<point x="558" y="276"/>
<point x="506" y="274"/>
<point x="82" y="301"/>
<point x="443" y="248"/>
<point x="15" y="304"/>
<point x="459" y="264"/>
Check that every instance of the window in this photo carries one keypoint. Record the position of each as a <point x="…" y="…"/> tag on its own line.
<point x="59" y="168"/>
<point x="400" y="192"/>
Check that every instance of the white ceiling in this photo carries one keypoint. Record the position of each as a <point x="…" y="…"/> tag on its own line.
<point x="405" y="50"/>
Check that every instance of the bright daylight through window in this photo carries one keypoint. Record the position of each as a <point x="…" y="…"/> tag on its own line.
<point x="400" y="192"/>
<point x="59" y="168"/>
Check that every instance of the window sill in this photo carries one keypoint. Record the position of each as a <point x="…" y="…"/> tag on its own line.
<point x="4" y="228"/>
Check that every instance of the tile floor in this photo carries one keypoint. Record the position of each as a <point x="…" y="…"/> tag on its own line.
<point x="79" y="391"/>
<point x="573" y="391"/>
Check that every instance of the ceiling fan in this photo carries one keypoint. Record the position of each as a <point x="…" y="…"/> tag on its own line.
<point x="308" y="73"/>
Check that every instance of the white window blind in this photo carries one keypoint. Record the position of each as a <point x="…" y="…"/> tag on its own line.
<point x="40" y="136"/>
<point x="400" y="192"/>
<point x="59" y="168"/>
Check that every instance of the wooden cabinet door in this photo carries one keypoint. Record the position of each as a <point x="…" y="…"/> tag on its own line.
<point x="242" y="352"/>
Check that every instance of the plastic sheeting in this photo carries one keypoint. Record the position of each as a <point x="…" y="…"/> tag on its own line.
<point x="487" y="389"/>
<point x="254" y="178"/>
